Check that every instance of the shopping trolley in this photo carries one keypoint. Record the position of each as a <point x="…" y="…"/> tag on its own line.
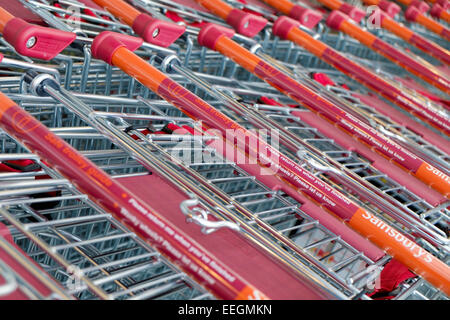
<point x="205" y="76"/>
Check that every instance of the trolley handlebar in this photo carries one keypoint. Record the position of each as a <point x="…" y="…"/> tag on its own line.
<point x="414" y="15"/>
<point x="152" y="30"/>
<point x="413" y="38"/>
<point x="243" y="22"/>
<point x="392" y="9"/>
<point x="340" y="21"/>
<point x="287" y="28"/>
<point x="306" y="16"/>
<point x="31" y="40"/>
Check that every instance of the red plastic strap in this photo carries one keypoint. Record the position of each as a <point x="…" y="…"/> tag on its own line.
<point x="17" y="166"/>
<point x="392" y="275"/>
<point x="323" y="79"/>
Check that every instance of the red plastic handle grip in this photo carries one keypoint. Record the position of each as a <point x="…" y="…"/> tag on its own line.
<point x="243" y="22"/>
<point x="155" y="31"/>
<point x="36" y="41"/>
<point x="158" y="32"/>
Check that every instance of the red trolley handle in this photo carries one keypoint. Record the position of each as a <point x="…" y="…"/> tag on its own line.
<point x="414" y="15"/>
<point x="211" y="37"/>
<point x="31" y="40"/>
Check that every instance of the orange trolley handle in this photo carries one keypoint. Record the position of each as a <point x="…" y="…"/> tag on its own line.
<point x="155" y="31"/>
<point x="306" y="16"/>
<point x="286" y="28"/>
<point x="414" y="15"/>
<point x="353" y="12"/>
<point x="388" y="238"/>
<point x="212" y="37"/>
<point x="243" y="22"/>
<point x="340" y="21"/>
<point x="439" y="12"/>
<point x="392" y="9"/>
<point x="413" y="38"/>
<point x="31" y="40"/>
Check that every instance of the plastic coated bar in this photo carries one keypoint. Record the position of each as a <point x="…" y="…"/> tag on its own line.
<point x="415" y="39"/>
<point x="338" y="20"/>
<point x="414" y="15"/>
<point x="288" y="29"/>
<point x="243" y="22"/>
<point x="152" y="30"/>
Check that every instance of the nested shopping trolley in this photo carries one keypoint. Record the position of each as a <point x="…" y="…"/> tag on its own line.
<point x="239" y="87"/>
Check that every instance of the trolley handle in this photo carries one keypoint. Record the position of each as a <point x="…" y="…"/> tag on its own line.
<point x="392" y="9"/>
<point x="409" y="36"/>
<point x="307" y="97"/>
<point x="243" y="22"/>
<point x="353" y="12"/>
<point x="31" y="40"/>
<point x="286" y="28"/>
<point x="414" y="15"/>
<point x="305" y="15"/>
<point x="152" y="30"/>
<point x="439" y="12"/>
<point x="340" y="21"/>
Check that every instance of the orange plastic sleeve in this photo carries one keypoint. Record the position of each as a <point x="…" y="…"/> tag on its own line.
<point x="250" y="293"/>
<point x="217" y="7"/>
<point x="403" y="249"/>
<point x="238" y="54"/>
<point x="331" y="4"/>
<point x="5" y="16"/>
<point x="356" y="32"/>
<point x="371" y="2"/>
<point x="120" y="9"/>
<point x="397" y="29"/>
<point x="434" y="178"/>
<point x="138" y="68"/>
<point x="283" y="6"/>
<point x="5" y="104"/>
<point x="430" y="24"/>
<point x="304" y="40"/>
<point x="445" y="15"/>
